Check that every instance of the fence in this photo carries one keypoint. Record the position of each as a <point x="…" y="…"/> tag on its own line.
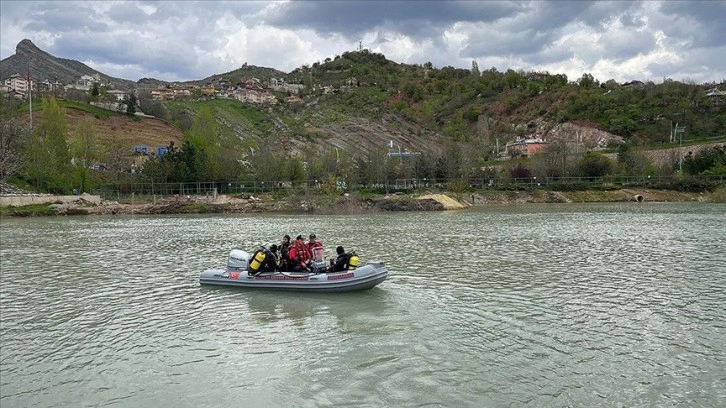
<point x="151" y="191"/>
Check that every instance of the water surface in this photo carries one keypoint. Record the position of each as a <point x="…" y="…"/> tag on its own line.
<point x="506" y="306"/>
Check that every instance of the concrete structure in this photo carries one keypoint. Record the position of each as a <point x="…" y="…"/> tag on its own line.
<point x="526" y="146"/>
<point x="20" y="200"/>
<point x="18" y="83"/>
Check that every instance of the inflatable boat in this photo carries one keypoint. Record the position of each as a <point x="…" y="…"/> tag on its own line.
<point x="240" y="272"/>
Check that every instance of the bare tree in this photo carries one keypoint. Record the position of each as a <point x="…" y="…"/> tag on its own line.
<point x="12" y="137"/>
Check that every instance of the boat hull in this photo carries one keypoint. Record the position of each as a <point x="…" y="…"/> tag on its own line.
<point x="362" y="278"/>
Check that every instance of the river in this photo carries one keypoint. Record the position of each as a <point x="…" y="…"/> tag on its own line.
<point x="499" y="306"/>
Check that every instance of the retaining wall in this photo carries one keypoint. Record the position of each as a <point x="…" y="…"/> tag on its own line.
<point x="18" y="200"/>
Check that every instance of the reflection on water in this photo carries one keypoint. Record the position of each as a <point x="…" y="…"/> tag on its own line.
<point x="532" y="305"/>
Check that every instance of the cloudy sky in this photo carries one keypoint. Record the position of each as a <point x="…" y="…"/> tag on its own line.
<point x="186" y="40"/>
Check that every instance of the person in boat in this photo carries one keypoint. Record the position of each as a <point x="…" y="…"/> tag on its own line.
<point x="284" y="249"/>
<point x="341" y="262"/>
<point x="267" y="262"/>
<point x="274" y="263"/>
<point x="316" y="248"/>
<point x="299" y="256"/>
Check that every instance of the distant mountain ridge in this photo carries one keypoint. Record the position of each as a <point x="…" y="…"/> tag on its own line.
<point x="44" y="66"/>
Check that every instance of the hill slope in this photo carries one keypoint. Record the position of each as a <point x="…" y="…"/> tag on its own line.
<point x="44" y="66"/>
<point x="360" y="102"/>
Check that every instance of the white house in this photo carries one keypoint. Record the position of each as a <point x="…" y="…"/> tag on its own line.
<point x="118" y="94"/>
<point x="18" y="83"/>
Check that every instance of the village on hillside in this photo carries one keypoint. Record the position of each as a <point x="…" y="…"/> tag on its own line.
<point x="250" y="90"/>
<point x="271" y="92"/>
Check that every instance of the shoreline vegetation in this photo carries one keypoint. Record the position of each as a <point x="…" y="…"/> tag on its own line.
<point x="347" y="204"/>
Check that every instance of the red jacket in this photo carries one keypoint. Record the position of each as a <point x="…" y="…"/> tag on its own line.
<point x="299" y="253"/>
<point x="316" y="250"/>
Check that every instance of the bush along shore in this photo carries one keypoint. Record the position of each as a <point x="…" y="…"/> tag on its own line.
<point x="348" y="204"/>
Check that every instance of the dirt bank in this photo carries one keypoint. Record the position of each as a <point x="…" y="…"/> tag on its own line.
<point x="349" y="204"/>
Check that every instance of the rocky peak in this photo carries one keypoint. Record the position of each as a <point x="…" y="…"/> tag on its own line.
<point x="45" y="66"/>
<point x="27" y="47"/>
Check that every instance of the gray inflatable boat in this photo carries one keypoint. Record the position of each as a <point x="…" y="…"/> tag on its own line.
<point x="237" y="274"/>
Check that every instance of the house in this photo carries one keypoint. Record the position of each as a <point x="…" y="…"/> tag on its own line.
<point x="277" y="82"/>
<point x="160" y="94"/>
<point x="19" y="84"/>
<point x="253" y="95"/>
<point x="87" y="81"/>
<point x="208" y="90"/>
<point x="526" y="146"/>
<point x="716" y="96"/>
<point x="117" y="94"/>
<point x="48" y="86"/>
<point x="10" y="91"/>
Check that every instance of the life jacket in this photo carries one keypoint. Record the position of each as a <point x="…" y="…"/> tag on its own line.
<point x="299" y="253"/>
<point x="316" y="251"/>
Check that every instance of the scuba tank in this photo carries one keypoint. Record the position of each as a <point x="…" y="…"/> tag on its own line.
<point x="257" y="261"/>
<point x="353" y="261"/>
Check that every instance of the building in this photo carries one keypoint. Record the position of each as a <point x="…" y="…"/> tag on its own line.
<point x="19" y="84"/>
<point x="716" y="96"/>
<point x="526" y="146"/>
<point x="119" y="95"/>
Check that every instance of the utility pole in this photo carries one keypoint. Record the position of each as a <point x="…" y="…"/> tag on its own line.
<point x="676" y="131"/>
<point x="680" y="151"/>
<point x="30" y="98"/>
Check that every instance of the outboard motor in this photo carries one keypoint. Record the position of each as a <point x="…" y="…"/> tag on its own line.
<point x="238" y="260"/>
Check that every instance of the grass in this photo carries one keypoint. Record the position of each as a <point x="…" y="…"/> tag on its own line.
<point x="93" y="110"/>
<point x="718" y="195"/>
<point x="32" y="210"/>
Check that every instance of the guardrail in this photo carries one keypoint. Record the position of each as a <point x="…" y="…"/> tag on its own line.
<point x="150" y="191"/>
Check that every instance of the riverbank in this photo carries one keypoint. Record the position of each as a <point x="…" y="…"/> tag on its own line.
<point x="347" y="204"/>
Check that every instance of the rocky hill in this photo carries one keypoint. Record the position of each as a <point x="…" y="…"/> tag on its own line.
<point x="44" y="66"/>
<point x="360" y="102"/>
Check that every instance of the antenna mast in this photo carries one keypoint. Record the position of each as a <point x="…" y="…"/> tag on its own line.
<point x="30" y="97"/>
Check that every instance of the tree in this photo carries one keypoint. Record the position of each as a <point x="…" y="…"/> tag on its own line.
<point x="451" y="165"/>
<point x="203" y="135"/>
<point x="13" y="136"/>
<point x="47" y="157"/>
<point x="588" y="81"/>
<point x="117" y="159"/>
<point x="631" y="162"/>
<point x="84" y="148"/>
<point x="294" y="170"/>
<point x="95" y="91"/>
<point x="475" y="68"/>
<point x="131" y="103"/>
<point x="594" y="164"/>
<point x="552" y="161"/>
<point x="706" y="161"/>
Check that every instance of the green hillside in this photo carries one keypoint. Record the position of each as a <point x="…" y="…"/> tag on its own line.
<point x="359" y="109"/>
<point x="458" y="105"/>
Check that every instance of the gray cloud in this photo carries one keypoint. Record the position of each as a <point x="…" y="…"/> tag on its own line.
<point x="63" y="17"/>
<point x="191" y="40"/>
<point x="354" y="18"/>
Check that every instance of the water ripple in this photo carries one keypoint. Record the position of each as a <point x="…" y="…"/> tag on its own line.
<point x="614" y="305"/>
